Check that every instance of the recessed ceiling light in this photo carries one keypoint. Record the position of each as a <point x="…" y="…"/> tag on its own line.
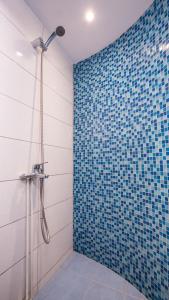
<point x="89" y="16"/>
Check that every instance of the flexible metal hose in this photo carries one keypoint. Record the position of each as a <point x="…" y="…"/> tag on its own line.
<point x="43" y="221"/>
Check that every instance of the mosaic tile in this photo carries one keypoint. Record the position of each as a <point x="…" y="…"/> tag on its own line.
<point x="121" y="154"/>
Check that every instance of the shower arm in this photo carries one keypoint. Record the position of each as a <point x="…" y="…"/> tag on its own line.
<point x="39" y="43"/>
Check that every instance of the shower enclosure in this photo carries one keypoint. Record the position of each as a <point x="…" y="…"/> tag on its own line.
<point x="96" y="132"/>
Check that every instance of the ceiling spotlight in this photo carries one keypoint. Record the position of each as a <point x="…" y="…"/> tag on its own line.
<point x="89" y="16"/>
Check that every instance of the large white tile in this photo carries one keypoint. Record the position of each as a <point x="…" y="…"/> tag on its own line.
<point x="50" y="254"/>
<point x="55" y="105"/>
<point x="12" y="203"/>
<point x="57" y="81"/>
<point x="13" y="42"/>
<point x="52" y="272"/>
<point x="12" y="241"/>
<point x="15" y="82"/>
<point x="58" y="188"/>
<point x="15" y="158"/>
<point x="59" y="216"/>
<point x="59" y="160"/>
<point x="19" y="13"/>
<point x="16" y="119"/>
<point x="56" y="133"/>
<point x="12" y="283"/>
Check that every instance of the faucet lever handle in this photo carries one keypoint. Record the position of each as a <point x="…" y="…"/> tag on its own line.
<point x="45" y="162"/>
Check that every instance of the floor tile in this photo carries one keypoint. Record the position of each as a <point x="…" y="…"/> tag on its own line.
<point x="81" y="278"/>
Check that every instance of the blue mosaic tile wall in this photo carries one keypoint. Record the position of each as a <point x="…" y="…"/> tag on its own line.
<point x="121" y="154"/>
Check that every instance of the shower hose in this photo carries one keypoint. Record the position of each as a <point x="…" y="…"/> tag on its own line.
<point x="43" y="221"/>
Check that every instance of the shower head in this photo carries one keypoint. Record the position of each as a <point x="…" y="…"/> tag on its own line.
<point x="60" y="31"/>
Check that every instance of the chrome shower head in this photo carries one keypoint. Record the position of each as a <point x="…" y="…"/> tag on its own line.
<point x="60" y="31"/>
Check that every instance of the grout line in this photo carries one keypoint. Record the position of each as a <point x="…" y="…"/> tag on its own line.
<point x="61" y="201"/>
<point x="60" y="147"/>
<point x="15" y="221"/>
<point x="34" y="142"/>
<point x="35" y="248"/>
<point x="13" y="265"/>
<point x="50" y="175"/>
<point x="7" y="180"/>
<point x="35" y="212"/>
<point x="60" y="174"/>
<point x="36" y="109"/>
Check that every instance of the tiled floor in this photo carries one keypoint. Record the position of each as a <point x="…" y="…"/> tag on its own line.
<point x="81" y="278"/>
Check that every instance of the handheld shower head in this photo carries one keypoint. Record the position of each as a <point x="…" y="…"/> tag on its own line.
<point x="60" y="31"/>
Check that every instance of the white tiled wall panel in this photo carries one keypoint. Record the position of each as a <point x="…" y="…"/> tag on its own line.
<point x="59" y="245"/>
<point x="19" y="148"/>
<point x="63" y="187"/>
<point x="15" y="82"/>
<point x="12" y="244"/>
<point x="12" y="202"/>
<point x="12" y="283"/>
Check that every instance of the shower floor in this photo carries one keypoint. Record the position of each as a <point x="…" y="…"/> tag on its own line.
<point x="81" y="278"/>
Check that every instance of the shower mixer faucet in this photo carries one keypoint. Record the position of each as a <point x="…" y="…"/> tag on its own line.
<point x="37" y="172"/>
<point x="39" y="168"/>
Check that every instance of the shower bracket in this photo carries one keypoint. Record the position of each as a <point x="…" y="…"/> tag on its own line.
<point x="39" y="43"/>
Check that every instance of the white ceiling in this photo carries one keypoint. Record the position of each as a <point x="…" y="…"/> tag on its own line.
<point x="82" y="39"/>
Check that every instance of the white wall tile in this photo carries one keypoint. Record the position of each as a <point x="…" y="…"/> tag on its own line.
<point x="12" y="283"/>
<point x="55" y="105"/>
<point x="56" y="133"/>
<point x="16" y="119"/>
<point x="14" y="158"/>
<point x="13" y="41"/>
<point x="59" y="160"/>
<point x="12" y="241"/>
<point x="15" y="82"/>
<point x="58" y="188"/>
<point x="59" y="245"/>
<point x="22" y="17"/>
<point x="59" y="216"/>
<point x="57" y="81"/>
<point x="12" y="202"/>
<point x="55" y="268"/>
